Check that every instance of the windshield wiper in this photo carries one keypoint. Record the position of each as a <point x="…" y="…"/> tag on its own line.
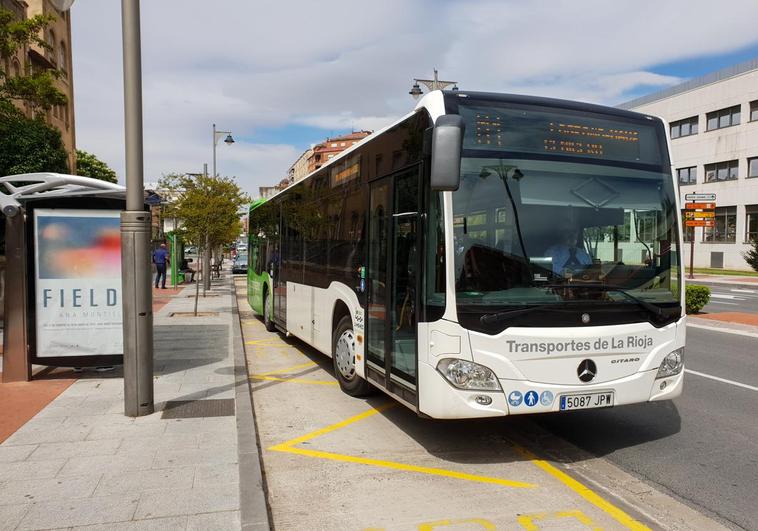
<point x="657" y="311"/>
<point x="507" y="314"/>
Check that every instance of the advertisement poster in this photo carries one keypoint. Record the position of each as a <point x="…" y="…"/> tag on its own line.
<point x="78" y="282"/>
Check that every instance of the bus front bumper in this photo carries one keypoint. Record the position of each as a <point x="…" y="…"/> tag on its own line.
<point x="438" y="399"/>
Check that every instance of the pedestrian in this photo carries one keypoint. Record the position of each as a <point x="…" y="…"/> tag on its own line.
<point x="161" y="260"/>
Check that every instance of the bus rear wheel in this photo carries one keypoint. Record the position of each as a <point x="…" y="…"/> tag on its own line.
<point x="267" y="313"/>
<point x="343" y="356"/>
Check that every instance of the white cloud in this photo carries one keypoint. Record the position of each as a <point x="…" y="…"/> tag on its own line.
<point x="340" y="65"/>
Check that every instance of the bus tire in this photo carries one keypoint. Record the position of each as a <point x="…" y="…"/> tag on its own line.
<point x="343" y="357"/>
<point x="267" y="321"/>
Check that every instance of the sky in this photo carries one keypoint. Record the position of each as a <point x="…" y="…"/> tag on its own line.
<point x="284" y="75"/>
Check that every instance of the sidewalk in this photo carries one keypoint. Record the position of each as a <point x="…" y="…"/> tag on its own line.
<point x="81" y="464"/>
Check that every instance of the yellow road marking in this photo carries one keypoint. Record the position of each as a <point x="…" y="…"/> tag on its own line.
<point x="289" y="447"/>
<point x="430" y="526"/>
<point x="583" y="491"/>
<point x="287" y="369"/>
<point x="527" y="520"/>
<point x="293" y="380"/>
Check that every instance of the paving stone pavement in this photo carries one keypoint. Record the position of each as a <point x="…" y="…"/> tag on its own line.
<point x="81" y="464"/>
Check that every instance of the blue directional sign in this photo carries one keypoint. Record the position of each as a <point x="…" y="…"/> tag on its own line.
<point x="531" y="398"/>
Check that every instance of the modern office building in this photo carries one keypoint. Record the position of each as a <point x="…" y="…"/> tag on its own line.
<point x="713" y="126"/>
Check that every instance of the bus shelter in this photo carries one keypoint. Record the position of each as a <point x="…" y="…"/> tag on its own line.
<point x="62" y="297"/>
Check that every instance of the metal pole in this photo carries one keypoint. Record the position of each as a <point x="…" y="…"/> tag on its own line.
<point x="692" y="251"/>
<point x="214" y="150"/>
<point x="135" y="233"/>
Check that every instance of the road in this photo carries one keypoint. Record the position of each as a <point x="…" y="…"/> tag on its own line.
<point x="731" y="297"/>
<point x="371" y="463"/>
<point x="703" y="447"/>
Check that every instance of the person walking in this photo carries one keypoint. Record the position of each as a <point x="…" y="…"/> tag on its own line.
<point x="161" y="260"/>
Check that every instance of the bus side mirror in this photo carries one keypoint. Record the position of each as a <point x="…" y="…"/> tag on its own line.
<point x="447" y="142"/>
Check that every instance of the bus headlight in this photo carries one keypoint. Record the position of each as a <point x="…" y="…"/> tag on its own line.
<point x="672" y="364"/>
<point x="468" y="375"/>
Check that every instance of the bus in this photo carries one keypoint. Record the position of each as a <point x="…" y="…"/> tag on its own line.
<point x="486" y="255"/>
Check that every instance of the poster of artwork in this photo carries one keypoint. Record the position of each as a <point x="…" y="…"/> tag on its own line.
<point x="78" y="282"/>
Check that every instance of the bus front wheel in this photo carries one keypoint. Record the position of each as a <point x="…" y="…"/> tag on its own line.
<point x="267" y="313"/>
<point x="343" y="356"/>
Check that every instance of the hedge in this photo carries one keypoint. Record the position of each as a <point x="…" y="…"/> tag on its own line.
<point x="695" y="297"/>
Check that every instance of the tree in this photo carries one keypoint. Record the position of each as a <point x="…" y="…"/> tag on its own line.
<point x="28" y="146"/>
<point x="88" y="165"/>
<point x="208" y="207"/>
<point x="35" y="86"/>
<point x="751" y="255"/>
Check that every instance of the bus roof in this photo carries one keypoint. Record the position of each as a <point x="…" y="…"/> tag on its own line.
<point x="439" y="102"/>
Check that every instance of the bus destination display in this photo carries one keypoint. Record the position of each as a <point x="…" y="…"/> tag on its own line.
<point x="541" y="131"/>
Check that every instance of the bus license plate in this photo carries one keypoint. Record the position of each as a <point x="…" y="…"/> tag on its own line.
<point x="586" y="401"/>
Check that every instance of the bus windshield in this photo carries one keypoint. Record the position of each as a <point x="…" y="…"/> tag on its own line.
<point x="542" y="219"/>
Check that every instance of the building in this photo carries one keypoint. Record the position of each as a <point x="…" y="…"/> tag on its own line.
<point x="331" y="147"/>
<point x="713" y="126"/>
<point x="270" y="191"/>
<point x="299" y="169"/>
<point x="58" y="38"/>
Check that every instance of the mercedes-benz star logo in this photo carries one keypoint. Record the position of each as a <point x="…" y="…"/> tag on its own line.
<point x="585" y="318"/>
<point x="587" y="370"/>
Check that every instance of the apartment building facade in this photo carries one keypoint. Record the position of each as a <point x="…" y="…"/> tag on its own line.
<point x="713" y="129"/>
<point x="58" y="38"/>
<point x="331" y="147"/>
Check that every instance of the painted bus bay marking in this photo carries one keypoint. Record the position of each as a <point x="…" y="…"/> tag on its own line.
<point x="290" y="447"/>
<point x="527" y="521"/>
<point x="292" y="380"/>
<point x="583" y="491"/>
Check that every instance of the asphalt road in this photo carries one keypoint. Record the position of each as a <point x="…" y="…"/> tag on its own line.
<point x="731" y="298"/>
<point x="703" y="446"/>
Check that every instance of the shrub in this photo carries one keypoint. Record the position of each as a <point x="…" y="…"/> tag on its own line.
<point x="695" y="297"/>
<point x="751" y="255"/>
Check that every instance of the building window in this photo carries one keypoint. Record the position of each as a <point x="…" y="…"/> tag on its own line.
<point x="754" y="111"/>
<point x="687" y="175"/>
<point x="62" y="63"/>
<point x="721" y="171"/>
<point x="723" y="118"/>
<point x="725" y="229"/>
<point x="685" y="127"/>
<point x="16" y="68"/>
<point x="334" y="144"/>
<point x="752" y="167"/>
<point x="751" y="222"/>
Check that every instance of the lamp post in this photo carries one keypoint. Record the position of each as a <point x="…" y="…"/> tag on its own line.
<point x="135" y="233"/>
<point x="216" y="136"/>
<point x="430" y="84"/>
<point x="206" y="254"/>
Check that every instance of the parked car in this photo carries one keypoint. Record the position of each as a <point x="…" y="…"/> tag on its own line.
<point x="240" y="263"/>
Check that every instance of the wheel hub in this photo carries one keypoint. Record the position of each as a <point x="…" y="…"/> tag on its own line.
<point x="345" y="354"/>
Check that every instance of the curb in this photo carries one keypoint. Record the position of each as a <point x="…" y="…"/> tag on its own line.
<point x="254" y="510"/>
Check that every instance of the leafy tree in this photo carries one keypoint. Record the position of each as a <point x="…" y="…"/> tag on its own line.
<point x="34" y="86"/>
<point x="207" y="207"/>
<point x="751" y="255"/>
<point x="88" y="165"/>
<point x="28" y="146"/>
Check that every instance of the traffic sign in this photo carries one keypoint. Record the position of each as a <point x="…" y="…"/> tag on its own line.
<point x="699" y="223"/>
<point x="699" y="215"/>
<point x="700" y="197"/>
<point x="699" y="206"/>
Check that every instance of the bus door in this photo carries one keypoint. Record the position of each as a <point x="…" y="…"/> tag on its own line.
<point x="392" y="283"/>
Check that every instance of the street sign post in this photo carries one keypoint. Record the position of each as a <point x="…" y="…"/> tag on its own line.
<point x="700" y="212"/>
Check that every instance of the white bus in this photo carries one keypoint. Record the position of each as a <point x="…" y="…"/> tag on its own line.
<point x="486" y="255"/>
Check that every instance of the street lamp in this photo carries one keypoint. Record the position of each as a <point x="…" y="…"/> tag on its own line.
<point x="216" y="136"/>
<point x="431" y="84"/>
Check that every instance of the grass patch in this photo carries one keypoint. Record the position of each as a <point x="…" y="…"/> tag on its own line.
<point x="710" y="271"/>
